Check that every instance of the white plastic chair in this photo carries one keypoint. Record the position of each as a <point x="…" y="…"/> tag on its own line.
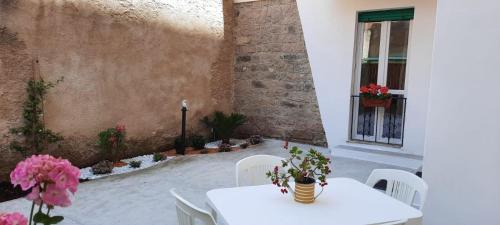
<point x="187" y="213"/>
<point x="401" y="185"/>
<point x="252" y="170"/>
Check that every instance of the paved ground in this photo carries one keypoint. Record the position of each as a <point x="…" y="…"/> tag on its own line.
<point x="142" y="198"/>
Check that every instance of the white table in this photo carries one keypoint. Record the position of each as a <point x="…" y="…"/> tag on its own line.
<point x="343" y="202"/>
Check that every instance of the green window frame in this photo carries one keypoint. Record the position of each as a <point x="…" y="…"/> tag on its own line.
<point x="387" y="15"/>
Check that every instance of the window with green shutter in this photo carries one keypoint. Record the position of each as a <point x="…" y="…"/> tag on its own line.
<point x="381" y="58"/>
<point x="387" y="15"/>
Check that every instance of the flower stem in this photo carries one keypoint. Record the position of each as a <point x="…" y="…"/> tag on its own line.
<point x="40" y="209"/>
<point x="31" y="212"/>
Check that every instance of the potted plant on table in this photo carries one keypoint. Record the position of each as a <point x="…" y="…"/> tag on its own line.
<point x="305" y="170"/>
<point x="374" y="95"/>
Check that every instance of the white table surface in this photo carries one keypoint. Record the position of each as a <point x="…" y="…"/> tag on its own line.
<point x="343" y="202"/>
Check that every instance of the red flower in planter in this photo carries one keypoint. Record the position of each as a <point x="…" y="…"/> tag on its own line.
<point x="384" y="90"/>
<point x="375" y="91"/>
<point x="374" y="95"/>
<point x="364" y="90"/>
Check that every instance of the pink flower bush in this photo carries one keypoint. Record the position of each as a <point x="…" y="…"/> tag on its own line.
<point x="51" y="181"/>
<point x="13" y="219"/>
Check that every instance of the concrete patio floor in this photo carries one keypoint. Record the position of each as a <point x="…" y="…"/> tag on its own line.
<point x="143" y="198"/>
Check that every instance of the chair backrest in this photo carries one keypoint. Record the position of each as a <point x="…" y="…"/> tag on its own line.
<point x="187" y="213"/>
<point x="401" y="185"/>
<point x="252" y="170"/>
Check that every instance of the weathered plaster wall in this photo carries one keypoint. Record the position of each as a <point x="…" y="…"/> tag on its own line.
<point x="274" y="85"/>
<point x="127" y="61"/>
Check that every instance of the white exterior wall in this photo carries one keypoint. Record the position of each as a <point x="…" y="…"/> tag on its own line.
<point x="462" y="150"/>
<point x="329" y="31"/>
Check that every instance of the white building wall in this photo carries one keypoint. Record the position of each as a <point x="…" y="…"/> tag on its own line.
<point x="329" y="31"/>
<point x="462" y="150"/>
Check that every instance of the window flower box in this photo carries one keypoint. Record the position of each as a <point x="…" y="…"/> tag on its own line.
<point x="374" y="95"/>
<point x="373" y="102"/>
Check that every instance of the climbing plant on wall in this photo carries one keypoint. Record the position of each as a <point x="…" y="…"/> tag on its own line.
<point x="36" y="136"/>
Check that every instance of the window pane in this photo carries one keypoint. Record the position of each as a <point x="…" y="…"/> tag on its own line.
<point x="393" y="118"/>
<point x="398" y="49"/>
<point x="371" y="49"/>
<point x="366" y="121"/>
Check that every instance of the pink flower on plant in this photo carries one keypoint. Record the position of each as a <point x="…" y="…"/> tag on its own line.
<point x="34" y="195"/>
<point x="54" y="195"/>
<point x="13" y="219"/>
<point x="120" y="128"/>
<point x="50" y="179"/>
<point x="65" y="177"/>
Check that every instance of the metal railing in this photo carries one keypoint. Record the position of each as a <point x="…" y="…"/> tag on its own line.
<point x="378" y="124"/>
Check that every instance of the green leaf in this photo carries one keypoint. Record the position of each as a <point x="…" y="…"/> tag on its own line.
<point x="45" y="219"/>
<point x="40" y="217"/>
<point x="55" y="219"/>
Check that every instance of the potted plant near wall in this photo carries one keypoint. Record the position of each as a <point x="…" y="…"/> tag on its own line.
<point x="374" y="95"/>
<point x="305" y="170"/>
<point x="224" y="125"/>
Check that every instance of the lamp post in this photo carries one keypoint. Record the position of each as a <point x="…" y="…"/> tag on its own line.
<point x="184" y="109"/>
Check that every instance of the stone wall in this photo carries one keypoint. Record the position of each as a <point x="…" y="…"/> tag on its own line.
<point x="273" y="81"/>
<point x="127" y="61"/>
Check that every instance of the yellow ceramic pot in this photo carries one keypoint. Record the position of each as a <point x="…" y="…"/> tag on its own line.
<point x="304" y="193"/>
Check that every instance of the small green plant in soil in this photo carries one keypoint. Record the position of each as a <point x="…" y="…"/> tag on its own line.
<point x="255" y="139"/>
<point x="36" y="137"/>
<point x="135" y="164"/>
<point x="198" y="142"/>
<point x="112" y="142"/>
<point x="103" y="167"/>
<point x="224" y="125"/>
<point x="224" y="147"/>
<point x="158" y="157"/>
